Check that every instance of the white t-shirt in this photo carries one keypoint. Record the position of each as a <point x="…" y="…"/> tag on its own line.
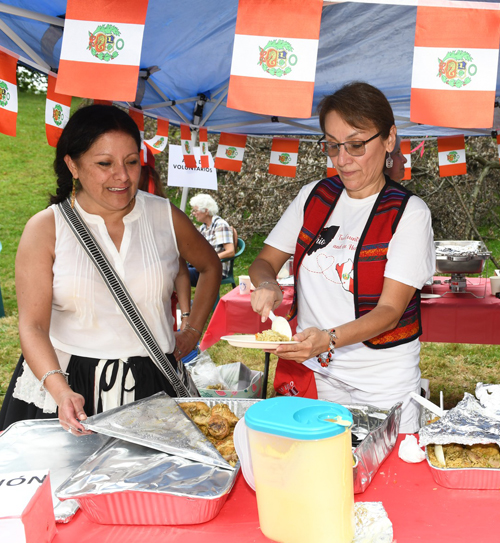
<point x="325" y="298"/>
<point x="85" y="319"/>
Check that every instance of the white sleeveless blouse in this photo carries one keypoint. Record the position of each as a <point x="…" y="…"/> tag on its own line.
<point x="85" y="318"/>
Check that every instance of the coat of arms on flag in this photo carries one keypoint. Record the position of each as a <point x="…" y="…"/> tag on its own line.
<point x="451" y="151"/>
<point x="230" y="152"/>
<point x="187" y="146"/>
<point x="284" y="157"/>
<point x="8" y="94"/>
<point x="274" y="57"/>
<point x="158" y="143"/>
<point x="101" y="49"/>
<point x="57" y="111"/>
<point x="203" y="136"/>
<point x="455" y="65"/>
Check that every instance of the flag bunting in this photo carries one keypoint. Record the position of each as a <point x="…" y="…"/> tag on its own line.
<point x="284" y="157"/>
<point x="101" y="49"/>
<point x="406" y="152"/>
<point x="451" y="151"/>
<point x="187" y="146"/>
<point x="8" y="94"/>
<point x="455" y="64"/>
<point x="57" y="112"/>
<point x="230" y="152"/>
<point x="138" y="117"/>
<point x="158" y="143"/>
<point x="331" y="170"/>
<point x="203" y="136"/>
<point x="273" y="67"/>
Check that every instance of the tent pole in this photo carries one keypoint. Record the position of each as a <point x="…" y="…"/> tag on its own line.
<point x="26" y="13"/>
<point x="23" y="45"/>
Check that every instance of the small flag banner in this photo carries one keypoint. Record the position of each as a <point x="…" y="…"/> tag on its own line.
<point x="274" y="57"/>
<point x="57" y="111"/>
<point x="230" y="152"/>
<point x="138" y="117"/>
<point x="451" y="151"/>
<point x="187" y="146"/>
<point x="158" y="143"/>
<point x="498" y="146"/>
<point x="203" y="136"/>
<point x="455" y="64"/>
<point x="406" y="152"/>
<point x="103" y="102"/>
<point x="8" y="94"/>
<point x="331" y="170"/>
<point x="101" y="49"/>
<point x="284" y="156"/>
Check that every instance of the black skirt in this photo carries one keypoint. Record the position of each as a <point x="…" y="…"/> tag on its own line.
<point x="148" y="381"/>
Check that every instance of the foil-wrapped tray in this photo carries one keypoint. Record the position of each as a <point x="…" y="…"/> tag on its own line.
<point x="375" y="432"/>
<point x="128" y="483"/>
<point x="159" y="423"/>
<point x="43" y="444"/>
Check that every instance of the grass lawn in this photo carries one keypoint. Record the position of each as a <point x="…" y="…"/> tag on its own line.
<point x="26" y="179"/>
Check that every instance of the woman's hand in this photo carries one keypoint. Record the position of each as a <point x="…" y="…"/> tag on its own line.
<point x="266" y="298"/>
<point x="185" y="341"/>
<point x="71" y="412"/>
<point x="312" y="342"/>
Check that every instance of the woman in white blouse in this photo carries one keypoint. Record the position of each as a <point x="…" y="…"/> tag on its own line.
<point x="80" y="354"/>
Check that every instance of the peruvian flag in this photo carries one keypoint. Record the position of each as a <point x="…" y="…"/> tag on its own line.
<point x="230" y="152"/>
<point x="103" y="102"/>
<point x="138" y="117"/>
<point x="455" y="63"/>
<point x="101" y="48"/>
<point x="284" y="156"/>
<point x="57" y="111"/>
<point x="406" y="152"/>
<point x="451" y="150"/>
<point x="274" y="57"/>
<point x="498" y="144"/>
<point x="8" y="94"/>
<point x="187" y="146"/>
<point x="331" y="170"/>
<point x="203" y="135"/>
<point x="158" y="143"/>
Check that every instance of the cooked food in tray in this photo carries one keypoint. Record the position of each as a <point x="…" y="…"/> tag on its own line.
<point x="466" y="456"/>
<point x="271" y="335"/>
<point x="217" y="423"/>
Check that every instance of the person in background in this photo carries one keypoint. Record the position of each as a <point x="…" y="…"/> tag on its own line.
<point x="215" y="230"/>
<point x="80" y="354"/>
<point x="150" y="182"/>
<point x="397" y="171"/>
<point x="363" y="248"/>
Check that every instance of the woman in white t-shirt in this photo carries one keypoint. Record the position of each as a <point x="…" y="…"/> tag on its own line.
<point x="363" y="248"/>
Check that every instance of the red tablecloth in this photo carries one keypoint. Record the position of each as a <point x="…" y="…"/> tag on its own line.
<point x="419" y="509"/>
<point x="452" y="318"/>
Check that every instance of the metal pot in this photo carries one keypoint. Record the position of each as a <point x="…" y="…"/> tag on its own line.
<point x="461" y="257"/>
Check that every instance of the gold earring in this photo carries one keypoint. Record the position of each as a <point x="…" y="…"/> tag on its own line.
<point x="73" y="194"/>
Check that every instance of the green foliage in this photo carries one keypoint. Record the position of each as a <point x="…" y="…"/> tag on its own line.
<point x="29" y="80"/>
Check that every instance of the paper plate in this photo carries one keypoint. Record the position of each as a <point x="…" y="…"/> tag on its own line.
<point x="248" y="341"/>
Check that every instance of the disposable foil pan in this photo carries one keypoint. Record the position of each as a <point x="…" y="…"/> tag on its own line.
<point x="127" y="483"/>
<point x="378" y="431"/>
<point x="43" y="444"/>
<point x="465" y="478"/>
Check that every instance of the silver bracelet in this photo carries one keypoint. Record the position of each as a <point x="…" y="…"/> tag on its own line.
<point x="48" y="374"/>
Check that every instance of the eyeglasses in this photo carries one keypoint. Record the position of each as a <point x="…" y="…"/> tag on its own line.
<point x="354" y="148"/>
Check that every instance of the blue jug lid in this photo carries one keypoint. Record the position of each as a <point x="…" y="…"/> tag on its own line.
<point x="298" y="418"/>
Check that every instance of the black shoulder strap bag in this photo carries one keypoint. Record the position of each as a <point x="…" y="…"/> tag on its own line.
<point x="180" y="379"/>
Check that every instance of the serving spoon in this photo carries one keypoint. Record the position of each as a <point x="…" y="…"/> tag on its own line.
<point x="281" y="326"/>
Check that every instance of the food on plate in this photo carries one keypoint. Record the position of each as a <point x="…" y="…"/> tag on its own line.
<point x="467" y="456"/>
<point x="217" y="423"/>
<point x="217" y="386"/>
<point x="271" y="335"/>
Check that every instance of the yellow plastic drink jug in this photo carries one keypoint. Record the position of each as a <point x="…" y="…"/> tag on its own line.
<point x="302" y="465"/>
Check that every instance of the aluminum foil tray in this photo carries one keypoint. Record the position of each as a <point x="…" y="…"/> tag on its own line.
<point x="43" y="444"/>
<point x="465" y="478"/>
<point x="377" y="430"/>
<point x="127" y="483"/>
<point x="464" y="257"/>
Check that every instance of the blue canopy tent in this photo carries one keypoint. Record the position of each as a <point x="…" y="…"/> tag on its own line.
<point x="187" y="49"/>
